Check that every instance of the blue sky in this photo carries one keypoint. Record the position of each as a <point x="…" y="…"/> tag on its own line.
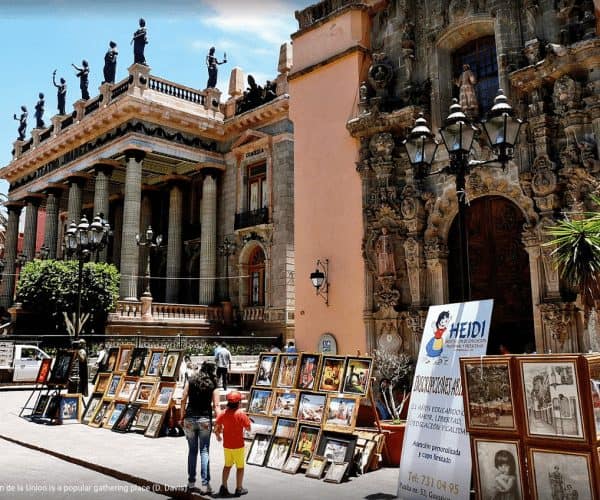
<point x="40" y="36"/>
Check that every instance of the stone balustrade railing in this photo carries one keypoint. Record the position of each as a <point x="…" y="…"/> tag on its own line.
<point x="176" y="90"/>
<point x="161" y="311"/>
<point x="253" y="313"/>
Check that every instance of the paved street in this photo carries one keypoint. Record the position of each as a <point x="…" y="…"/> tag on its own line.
<point x="139" y="464"/>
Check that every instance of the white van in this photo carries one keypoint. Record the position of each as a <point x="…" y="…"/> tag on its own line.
<point x="22" y="361"/>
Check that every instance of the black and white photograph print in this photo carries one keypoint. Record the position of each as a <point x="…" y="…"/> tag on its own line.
<point x="498" y="469"/>
<point x="561" y="476"/>
<point x="259" y="449"/>
<point x="278" y="453"/>
<point x="552" y="404"/>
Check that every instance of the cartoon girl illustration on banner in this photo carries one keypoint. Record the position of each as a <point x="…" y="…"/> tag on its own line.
<point x="435" y="346"/>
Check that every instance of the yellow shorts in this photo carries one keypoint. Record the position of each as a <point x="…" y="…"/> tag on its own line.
<point x="234" y="456"/>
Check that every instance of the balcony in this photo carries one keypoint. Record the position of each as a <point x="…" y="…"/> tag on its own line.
<point x="251" y="218"/>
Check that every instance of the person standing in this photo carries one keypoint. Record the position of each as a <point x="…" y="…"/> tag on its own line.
<point x="229" y="427"/>
<point x="61" y="93"/>
<point x="82" y="359"/>
<point x="223" y="362"/>
<point x="100" y="364"/>
<point x="199" y="399"/>
<point x="290" y="347"/>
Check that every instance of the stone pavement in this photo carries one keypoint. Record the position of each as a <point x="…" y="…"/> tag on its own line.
<point x="156" y="465"/>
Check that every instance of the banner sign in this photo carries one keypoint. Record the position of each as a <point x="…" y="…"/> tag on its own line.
<point x="436" y="455"/>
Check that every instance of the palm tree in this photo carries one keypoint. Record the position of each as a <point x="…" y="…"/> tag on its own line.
<point x="577" y="254"/>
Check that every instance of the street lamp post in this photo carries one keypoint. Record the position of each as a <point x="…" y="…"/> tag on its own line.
<point x="226" y="249"/>
<point x="458" y="132"/>
<point x="81" y="240"/>
<point x="147" y="240"/>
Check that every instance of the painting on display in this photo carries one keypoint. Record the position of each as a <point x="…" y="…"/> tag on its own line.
<point x="265" y="372"/>
<point x="311" y="407"/>
<point x="357" y="375"/>
<point x="309" y="371"/>
<point x="332" y="374"/>
<point x="285" y="403"/>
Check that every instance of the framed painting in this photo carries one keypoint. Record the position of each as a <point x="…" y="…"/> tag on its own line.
<point x="340" y="413"/>
<point x="278" y="453"/>
<point x="70" y="407"/>
<point x="126" y="418"/>
<point x="287" y="372"/>
<point x="285" y="427"/>
<point x="357" y="375"/>
<point x="266" y="370"/>
<point x="337" y="447"/>
<point x="591" y="376"/>
<point x="311" y="407"/>
<point x="172" y="361"/>
<point x="98" y="417"/>
<point x="316" y="467"/>
<point x="285" y="403"/>
<point x="113" y="414"/>
<point x="124" y="358"/>
<point x="155" y="362"/>
<point x="163" y="395"/>
<point x="53" y="409"/>
<point x="102" y="381"/>
<point x="44" y="371"/>
<point x="144" y="391"/>
<point x="307" y="438"/>
<point x="126" y="388"/>
<point x="487" y="394"/>
<point x="332" y="374"/>
<point x="136" y="364"/>
<point x="113" y="385"/>
<point x="336" y="472"/>
<point x="40" y="405"/>
<point x="498" y="468"/>
<point x="257" y="454"/>
<point x="308" y="371"/>
<point x="551" y="397"/>
<point x="292" y="464"/>
<point x="155" y="424"/>
<point x="111" y="360"/>
<point x="142" y="420"/>
<point x="91" y="407"/>
<point x="560" y="474"/>
<point x="62" y="367"/>
<point x="260" y="401"/>
<point x="260" y="425"/>
<point x="367" y="449"/>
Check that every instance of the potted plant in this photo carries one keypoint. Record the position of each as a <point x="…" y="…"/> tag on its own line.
<point x="394" y="373"/>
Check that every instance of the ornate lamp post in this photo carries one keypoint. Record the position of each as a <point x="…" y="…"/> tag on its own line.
<point x="226" y="249"/>
<point x="147" y="240"/>
<point x="81" y="240"/>
<point x="458" y="132"/>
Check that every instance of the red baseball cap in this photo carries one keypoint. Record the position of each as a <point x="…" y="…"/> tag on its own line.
<point x="234" y="397"/>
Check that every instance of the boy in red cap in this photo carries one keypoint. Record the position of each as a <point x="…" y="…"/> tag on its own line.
<point x="231" y="424"/>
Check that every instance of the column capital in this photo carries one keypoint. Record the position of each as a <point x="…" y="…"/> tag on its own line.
<point x="79" y="179"/>
<point x="107" y="166"/>
<point x="34" y="199"/>
<point x="55" y="189"/>
<point x="212" y="172"/>
<point x="175" y="180"/>
<point x="14" y="206"/>
<point x="137" y="154"/>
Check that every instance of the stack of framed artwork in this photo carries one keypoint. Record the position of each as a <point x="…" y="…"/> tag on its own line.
<point x="534" y="423"/>
<point x="304" y="408"/>
<point x="135" y="391"/>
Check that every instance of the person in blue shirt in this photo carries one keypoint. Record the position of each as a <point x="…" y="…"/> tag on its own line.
<point x="290" y="347"/>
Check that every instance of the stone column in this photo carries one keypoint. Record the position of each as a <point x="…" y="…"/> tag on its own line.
<point x="74" y="206"/>
<point x="10" y="252"/>
<point x="117" y="232"/>
<point x="174" y="244"/>
<point x="51" y="228"/>
<point x="101" y="201"/>
<point x="131" y="224"/>
<point x="145" y="221"/>
<point x="31" y="217"/>
<point x="208" y="240"/>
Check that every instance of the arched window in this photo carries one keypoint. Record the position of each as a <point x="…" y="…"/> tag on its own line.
<point x="480" y="55"/>
<point x="256" y="278"/>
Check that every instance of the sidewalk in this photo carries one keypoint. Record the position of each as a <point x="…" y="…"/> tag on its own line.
<point x="159" y="465"/>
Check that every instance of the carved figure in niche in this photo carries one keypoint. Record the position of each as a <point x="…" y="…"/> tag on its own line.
<point x="467" y="96"/>
<point x="22" y="123"/>
<point x="380" y="74"/>
<point x="83" y="74"/>
<point x="39" y="111"/>
<point x="110" y="63"/>
<point x="588" y="156"/>
<point x="408" y="208"/>
<point x="139" y="41"/>
<point x="61" y="93"/>
<point x="532" y="51"/>
<point x="566" y="95"/>
<point x="212" y="63"/>
<point x="384" y="247"/>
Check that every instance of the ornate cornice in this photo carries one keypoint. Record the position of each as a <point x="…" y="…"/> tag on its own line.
<point x="374" y="122"/>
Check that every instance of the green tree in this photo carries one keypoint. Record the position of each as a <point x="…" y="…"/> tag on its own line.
<point x="48" y="288"/>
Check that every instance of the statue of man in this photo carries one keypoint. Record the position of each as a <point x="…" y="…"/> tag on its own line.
<point x="83" y="75"/>
<point x="212" y="63"/>
<point x="385" y="254"/>
<point x="140" y="40"/>
<point x="39" y="111"/>
<point x="61" y="93"/>
<point x="467" y="96"/>
<point x="110" y="63"/>
<point x="22" y="123"/>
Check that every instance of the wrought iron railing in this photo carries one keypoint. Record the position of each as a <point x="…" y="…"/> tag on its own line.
<point x="252" y="218"/>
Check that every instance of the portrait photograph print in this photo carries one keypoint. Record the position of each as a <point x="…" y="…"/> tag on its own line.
<point x="551" y="395"/>
<point x="311" y="407"/>
<point x="257" y="454"/>
<point x="309" y="371"/>
<point x="332" y="373"/>
<point x="285" y="403"/>
<point x="560" y="475"/>
<point x="266" y="369"/>
<point x="288" y="370"/>
<point x="487" y="386"/>
<point x="260" y="401"/>
<point x="278" y="453"/>
<point x="357" y="376"/>
<point x="497" y="469"/>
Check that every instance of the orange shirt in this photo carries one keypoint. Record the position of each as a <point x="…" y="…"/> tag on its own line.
<point x="234" y="422"/>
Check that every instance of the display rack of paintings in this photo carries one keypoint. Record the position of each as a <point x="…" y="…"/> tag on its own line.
<point x="488" y="394"/>
<point x="41" y="380"/>
<point x="278" y="452"/>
